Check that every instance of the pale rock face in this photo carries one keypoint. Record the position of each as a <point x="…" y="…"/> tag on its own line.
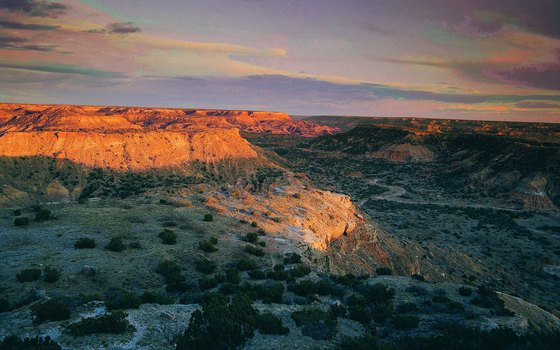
<point x="310" y="216"/>
<point x="130" y="150"/>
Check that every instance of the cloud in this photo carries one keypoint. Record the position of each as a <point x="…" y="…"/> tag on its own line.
<point x="25" y="26"/>
<point x="17" y="43"/>
<point x="540" y="76"/>
<point x="34" y="7"/>
<point x="117" y="28"/>
<point x="59" y="68"/>
<point x="532" y="104"/>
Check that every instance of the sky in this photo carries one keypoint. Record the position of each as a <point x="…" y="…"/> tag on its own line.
<point x="464" y="59"/>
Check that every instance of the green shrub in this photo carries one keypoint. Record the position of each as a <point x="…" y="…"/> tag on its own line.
<point x="254" y="224"/>
<point x="220" y="325"/>
<point x="267" y="293"/>
<point x="208" y="217"/>
<point x="261" y="232"/>
<point x="246" y="264"/>
<point x="229" y="288"/>
<point x="116" y="244"/>
<point x="207" y="247"/>
<point x="50" y="310"/>
<point x="28" y="275"/>
<point x="489" y="299"/>
<point x="84" y="243"/>
<point x="407" y="307"/>
<point x="22" y="221"/>
<point x="383" y="271"/>
<point x="42" y="215"/>
<point x="135" y="245"/>
<point x="418" y="277"/>
<point x="262" y="243"/>
<point x="300" y="271"/>
<point x="338" y="310"/>
<point x="309" y="315"/>
<point x="404" y="322"/>
<point x="112" y="322"/>
<point x="278" y="275"/>
<point x="206" y="283"/>
<point x="308" y="287"/>
<point x="254" y="250"/>
<point x="5" y="305"/>
<point x="251" y="237"/>
<point x="156" y="298"/>
<point x="366" y="342"/>
<point x="51" y="274"/>
<point x="232" y="275"/>
<point x="168" y="236"/>
<point x="13" y="342"/>
<point x="256" y="274"/>
<point x="292" y="258"/>
<point x="213" y="240"/>
<point x="465" y="291"/>
<point x="17" y="212"/>
<point x="270" y="324"/>
<point x="171" y="272"/>
<point x="118" y="299"/>
<point x="379" y="294"/>
<point x="205" y="266"/>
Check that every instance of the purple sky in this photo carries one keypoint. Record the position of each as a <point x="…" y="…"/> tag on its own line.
<point x="469" y="59"/>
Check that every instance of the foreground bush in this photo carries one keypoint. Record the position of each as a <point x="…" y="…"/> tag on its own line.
<point x="205" y="266"/>
<point x="118" y="299"/>
<point x="270" y="324"/>
<point x="42" y="215"/>
<point x="112" y="322"/>
<point x="207" y="246"/>
<point x="404" y="322"/>
<point x="168" y="236"/>
<point x="51" y="274"/>
<point x="219" y="325"/>
<point x="254" y="250"/>
<point x="28" y="275"/>
<point x="246" y="265"/>
<point x="13" y="342"/>
<point x="50" y="310"/>
<point x="171" y="272"/>
<point x="22" y="221"/>
<point x="208" y="217"/>
<point x="84" y="243"/>
<point x="116" y="244"/>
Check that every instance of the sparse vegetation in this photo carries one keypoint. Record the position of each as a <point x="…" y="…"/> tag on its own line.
<point x="116" y="244"/>
<point x="168" y="236"/>
<point x="206" y="266"/>
<point x="113" y="322"/>
<point x="119" y="299"/>
<point x="13" y="342"/>
<point x="21" y="221"/>
<point x="28" y="275"/>
<point x="50" y="310"/>
<point x="85" y="243"/>
<point x="51" y="274"/>
<point x="254" y="250"/>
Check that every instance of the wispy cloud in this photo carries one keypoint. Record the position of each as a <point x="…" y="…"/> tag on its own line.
<point x="59" y="68"/>
<point x="34" y="7"/>
<point x="25" y="26"/>
<point x="17" y="43"/>
<point x="117" y="28"/>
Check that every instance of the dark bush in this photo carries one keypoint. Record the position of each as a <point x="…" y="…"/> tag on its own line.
<point x="208" y="217"/>
<point x="5" y="305"/>
<point x="118" y="299"/>
<point x="229" y="288"/>
<point x="205" y="266"/>
<point x="379" y="293"/>
<point x="418" y="277"/>
<point x="171" y="272"/>
<point x="168" y="236"/>
<point x="112" y="322"/>
<point x="246" y="264"/>
<point x="28" y="275"/>
<point x="17" y="212"/>
<point x="404" y="322"/>
<point x="407" y="307"/>
<point x="321" y="287"/>
<point x="51" y="274"/>
<point x="465" y="291"/>
<point x="207" y="247"/>
<point x="270" y="324"/>
<point x="267" y="293"/>
<point x="251" y="237"/>
<point x="338" y="310"/>
<point x="206" y="283"/>
<point x="300" y="271"/>
<point x="232" y="275"/>
<point x="220" y="325"/>
<point x="12" y="342"/>
<point x="84" y="243"/>
<point x="254" y="250"/>
<point x="116" y="244"/>
<point x="156" y="298"/>
<point x="257" y="275"/>
<point x="135" y="245"/>
<point x="42" y="215"/>
<point x="383" y="271"/>
<point x="22" y="221"/>
<point x="309" y="315"/>
<point x="213" y="240"/>
<point x="489" y="299"/>
<point x="292" y="258"/>
<point x="50" y="310"/>
<point x="261" y="232"/>
<point x="254" y="224"/>
<point x="278" y="275"/>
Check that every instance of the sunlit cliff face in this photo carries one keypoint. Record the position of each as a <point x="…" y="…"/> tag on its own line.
<point x="137" y="138"/>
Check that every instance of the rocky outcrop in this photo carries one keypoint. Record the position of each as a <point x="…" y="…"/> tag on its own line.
<point x="15" y="117"/>
<point x="405" y="152"/>
<point x="129" y="150"/>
